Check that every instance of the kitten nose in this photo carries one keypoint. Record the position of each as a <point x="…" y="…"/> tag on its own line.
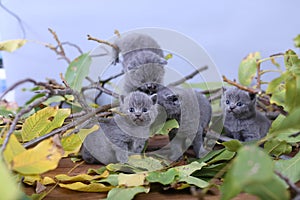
<point x="138" y="115"/>
<point x="231" y="107"/>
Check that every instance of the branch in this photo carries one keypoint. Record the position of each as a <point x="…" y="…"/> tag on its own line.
<point x="190" y="76"/>
<point x="292" y="185"/>
<point x="234" y="83"/>
<point x="59" y="50"/>
<point x="70" y="125"/>
<point x="73" y="45"/>
<point x="111" y="78"/>
<point x="103" y="42"/>
<point x="17" y="118"/>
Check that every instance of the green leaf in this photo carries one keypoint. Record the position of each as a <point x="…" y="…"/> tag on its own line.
<point x="273" y="86"/>
<point x="43" y="122"/>
<point x="12" y="45"/>
<point x="232" y="145"/>
<point x="78" y="70"/>
<point x="43" y="157"/>
<point x="126" y="193"/>
<point x="271" y="189"/>
<point x="112" y="179"/>
<point x="289" y="168"/>
<point x="145" y="163"/>
<point x="168" y="126"/>
<point x="277" y="147"/>
<point x="224" y="156"/>
<point x="248" y="68"/>
<point x="251" y="166"/>
<point x="292" y="62"/>
<point x="92" y="187"/>
<point x="290" y="122"/>
<point x="211" y="155"/>
<point x="297" y="41"/>
<point x="209" y="171"/>
<point x="9" y="188"/>
<point x="292" y="94"/>
<point x="164" y="178"/>
<point x="194" y="181"/>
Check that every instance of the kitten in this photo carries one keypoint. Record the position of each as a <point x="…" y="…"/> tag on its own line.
<point x="143" y="61"/>
<point x="242" y="121"/>
<point x="192" y="111"/>
<point x="122" y="135"/>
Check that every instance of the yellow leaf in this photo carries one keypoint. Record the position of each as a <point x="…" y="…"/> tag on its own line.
<point x="93" y="187"/>
<point x="11" y="45"/>
<point x="31" y="179"/>
<point x="47" y="181"/>
<point x="132" y="180"/>
<point x="80" y="177"/>
<point x="12" y="149"/>
<point x="42" y="158"/>
<point x="72" y="143"/>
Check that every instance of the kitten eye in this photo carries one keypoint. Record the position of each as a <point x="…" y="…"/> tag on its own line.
<point x="131" y="110"/>
<point x="227" y="102"/>
<point x="144" y="109"/>
<point x="239" y="103"/>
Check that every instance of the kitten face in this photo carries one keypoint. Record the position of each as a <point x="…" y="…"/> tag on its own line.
<point x="139" y="108"/>
<point x="170" y="101"/>
<point x="238" y="102"/>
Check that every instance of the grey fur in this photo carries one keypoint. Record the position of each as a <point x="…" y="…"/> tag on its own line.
<point x="122" y="135"/>
<point x="242" y="121"/>
<point x="193" y="112"/>
<point x="143" y="61"/>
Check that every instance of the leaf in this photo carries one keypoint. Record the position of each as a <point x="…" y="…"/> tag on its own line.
<point x="271" y="189"/>
<point x="211" y="155"/>
<point x="273" y="86"/>
<point x="164" y="178"/>
<point x="78" y="70"/>
<point x="290" y="168"/>
<point x="194" y="181"/>
<point x="145" y="163"/>
<point x="9" y="188"/>
<point x="290" y="122"/>
<point x="248" y="68"/>
<point x="209" y="171"/>
<point x="125" y="193"/>
<point x="12" y="149"/>
<point x="224" y="156"/>
<point x="80" y="177"/>
<point x="72" y="143"/>
<point x="168" y="126"/>
<point x="31" y="179"/>
<point x="43" y="122"/>
<point x="292" y="94"/>
<point x="112" y="179"/>
<point x="232" y="145"/>
<point x="12" y="45"/>
<point x="292" y="62"/>
<point x="277" y="147"/>
<point x="297" y="41"/>
<point x="92" y="187"/>
<point x="131" y="180"/>
<point x="251" y="166"/>
<point x="42" y="158"/>
<point x="119" y="167"/>
<point x="169" y="56"/>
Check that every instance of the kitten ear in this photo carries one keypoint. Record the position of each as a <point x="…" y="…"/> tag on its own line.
<point x="224" y="89"/>
<point x="121" y="99"/>
<point x="154" y="98"/>
<point x="252" y="96"/>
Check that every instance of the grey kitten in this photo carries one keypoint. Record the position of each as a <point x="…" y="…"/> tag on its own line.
<point x="122" y="135"/>
<point x="242" y="121"/>
<point x="143" y="61"/>
<point x="193" y="112"/>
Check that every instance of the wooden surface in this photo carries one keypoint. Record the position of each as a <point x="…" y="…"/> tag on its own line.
<point x="157" y="192"/>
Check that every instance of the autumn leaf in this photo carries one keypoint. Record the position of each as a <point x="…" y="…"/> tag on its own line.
<point x="92" y="187"/>
<point x="248" y="68"/>
<point x="42" y="158"/>
<point x="12" y="149"/>
<point x="79" y="177"/>
<point x="131" y="180"/>
<point x="11" y="45"/>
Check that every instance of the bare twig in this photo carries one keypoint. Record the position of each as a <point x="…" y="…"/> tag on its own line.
<point x="99" y="86"/>
<point x="253" y="91"/>
<point x="258" y="74"/>
<point x="59" y="50"/>
<point x="111" y="78"/>
<point x="64" y="80"/>
<point x="103" y="42"/>
<point x="190" y="76"/>
<point x="73" y="45"/>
